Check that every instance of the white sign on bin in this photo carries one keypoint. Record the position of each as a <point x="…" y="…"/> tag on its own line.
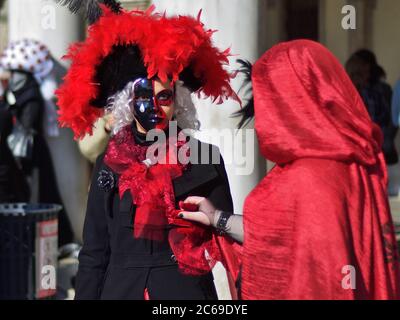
<point x="46" y="258"/>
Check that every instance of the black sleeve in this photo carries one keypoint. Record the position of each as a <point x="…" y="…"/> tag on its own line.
<point x="31" y="114"/>
<point x="220" y="195"/>
<point x="94" y="256"/>
<point x="386" y="94"/>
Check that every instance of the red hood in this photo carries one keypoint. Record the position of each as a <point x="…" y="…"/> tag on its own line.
<point x="307" y="107"/>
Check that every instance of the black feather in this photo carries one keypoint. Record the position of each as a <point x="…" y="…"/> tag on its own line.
<point x="247" y="112"/>
<point x="115" y="6"/>
<point x="122" y="65"/>
<point x="93" y="11"/>
<point x="246" y="68"/>
<point x="92" y="8"/>
<point x="73" y="5"/>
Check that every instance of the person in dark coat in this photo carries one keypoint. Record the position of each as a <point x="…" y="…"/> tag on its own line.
<point x="114" y="265"/>
<point x="30" y="147"/>
<point x="135" y="246"/>
<point x="368" y="77"/>
<point x="13" y="185"/>
<point x="27" y="61"/>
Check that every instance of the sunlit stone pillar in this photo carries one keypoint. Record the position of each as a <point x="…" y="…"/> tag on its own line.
<point x="239" y="24"/>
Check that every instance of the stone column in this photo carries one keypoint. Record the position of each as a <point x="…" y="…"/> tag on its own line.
<point x="56" y="27"/>
<point x="238" y="24"/>
<point x="363" y="36"/>
<point x="3" y="25"/>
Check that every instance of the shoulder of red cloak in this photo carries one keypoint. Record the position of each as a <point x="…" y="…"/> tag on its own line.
<point x="321" y="182"/>
<point x="316" y="174"/>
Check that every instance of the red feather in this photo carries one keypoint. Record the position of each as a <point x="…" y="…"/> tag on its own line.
<point x="168" y="45"/>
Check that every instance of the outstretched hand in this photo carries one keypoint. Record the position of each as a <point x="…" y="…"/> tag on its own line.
<point x="197" y="209"/>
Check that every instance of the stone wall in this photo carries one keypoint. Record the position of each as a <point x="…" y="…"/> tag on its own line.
<point x="3" y="24"/>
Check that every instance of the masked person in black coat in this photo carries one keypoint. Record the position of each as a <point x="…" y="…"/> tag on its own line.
<point x="139" y="67"/>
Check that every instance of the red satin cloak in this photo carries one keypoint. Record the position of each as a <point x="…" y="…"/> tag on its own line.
<point x="324" y="207"/>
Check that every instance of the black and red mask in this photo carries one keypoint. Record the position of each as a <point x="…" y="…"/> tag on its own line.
<point x="147" y="104"/>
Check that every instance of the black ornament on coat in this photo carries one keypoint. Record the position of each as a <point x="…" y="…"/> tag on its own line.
<point x="106" y="180"/>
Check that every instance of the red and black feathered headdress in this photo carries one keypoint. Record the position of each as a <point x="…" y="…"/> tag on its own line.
<point x="169" y="48"/>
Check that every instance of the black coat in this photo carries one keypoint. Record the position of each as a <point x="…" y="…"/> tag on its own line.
<point x="114" y="265"/>
<point x="378" y="100"/>
<point x="13" y="185"/>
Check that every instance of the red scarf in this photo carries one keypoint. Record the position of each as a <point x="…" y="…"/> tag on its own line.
<point x="153" y="195"/>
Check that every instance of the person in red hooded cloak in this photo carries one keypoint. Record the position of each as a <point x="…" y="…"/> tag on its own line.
<point x="318" y="226"/>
